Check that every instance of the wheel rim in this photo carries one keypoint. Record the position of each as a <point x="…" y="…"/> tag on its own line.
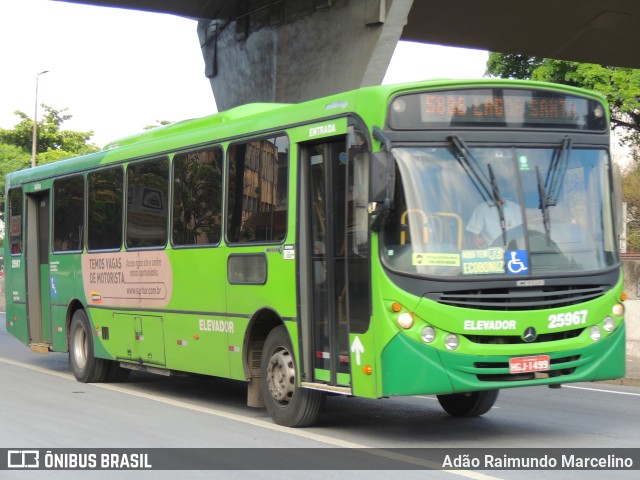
<point x="80" y="347"/>
<point x="281" y="376"/>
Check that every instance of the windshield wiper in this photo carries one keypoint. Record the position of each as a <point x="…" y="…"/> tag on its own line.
<point x="488" y="188"/>
<point x="499" y="203"/>
<point x="549" y="193"/>
<point x="544" y="203"/>
<point x="557" y="169"/>
<point x="471" y="168"/>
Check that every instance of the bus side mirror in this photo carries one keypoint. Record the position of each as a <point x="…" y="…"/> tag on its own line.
<point x="382" y="187"/>
<point x="382" y="177"/>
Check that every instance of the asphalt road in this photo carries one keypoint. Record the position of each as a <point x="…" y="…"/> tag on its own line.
<point x="43" y="407"/>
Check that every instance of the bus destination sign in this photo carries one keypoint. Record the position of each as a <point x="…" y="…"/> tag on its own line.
<point x="511" y="108"/>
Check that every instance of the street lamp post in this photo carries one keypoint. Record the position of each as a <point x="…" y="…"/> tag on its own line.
<point x="34" y="146"/>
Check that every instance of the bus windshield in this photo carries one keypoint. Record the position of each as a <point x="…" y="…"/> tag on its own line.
<point x="473" y="212"/>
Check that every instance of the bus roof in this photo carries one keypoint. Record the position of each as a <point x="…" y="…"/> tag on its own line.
<point x="260" y="118"/>
<point x="180" y="127"/>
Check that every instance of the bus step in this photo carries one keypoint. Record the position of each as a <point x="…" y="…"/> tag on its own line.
<point x="327" y="388"/>
<point x="145" y="368"/>
<point x="40" y="347"/>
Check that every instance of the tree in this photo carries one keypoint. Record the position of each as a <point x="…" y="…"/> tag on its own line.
<point x="53" y="143"/>
<point x="512" y="65"/>
<point x="50" y="134"/>
<point x="621" y="86"/>
<point x="631" y="195"/>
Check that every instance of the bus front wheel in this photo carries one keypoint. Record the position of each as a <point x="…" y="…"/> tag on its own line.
<point x="286" y="402"/>
<point x="85" y="366"/>
<point x="472" y="404"/>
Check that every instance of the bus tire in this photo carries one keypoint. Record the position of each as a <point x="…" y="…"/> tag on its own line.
<point x="85" y="366"/>
<point x="115" y="373"/>
<point x="286" y="402"/>
<point x="472" y="404"/>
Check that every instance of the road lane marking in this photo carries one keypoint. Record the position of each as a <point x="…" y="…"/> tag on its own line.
<point x="35" y="368"/>
<point x="258" y="423"/>
<point x="601" y="390"/>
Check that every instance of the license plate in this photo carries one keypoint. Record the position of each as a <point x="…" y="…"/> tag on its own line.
<point x="539" y="363"/>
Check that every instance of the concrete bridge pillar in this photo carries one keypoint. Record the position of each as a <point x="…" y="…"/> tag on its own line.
<point x="295" y="50"/>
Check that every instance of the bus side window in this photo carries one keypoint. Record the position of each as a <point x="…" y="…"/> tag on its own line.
<point x="257" y="196"/>
<point x="197" y="197"/>
<point x="15" y="220"/>
<point x="105" y="198"/>
<point x="68" y="214"/>
<point x="147" y="209"/>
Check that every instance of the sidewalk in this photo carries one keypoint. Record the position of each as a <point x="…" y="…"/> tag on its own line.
<point x="632" y="376"/>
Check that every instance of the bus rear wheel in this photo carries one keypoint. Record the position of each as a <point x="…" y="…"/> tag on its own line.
<point x="116" y="373"/>
<point x="286" y="402"/>
<point x="472" y="404"/>
<point x="85" y="366"/>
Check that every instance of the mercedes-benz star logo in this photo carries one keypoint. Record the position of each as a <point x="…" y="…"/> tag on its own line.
<point x="529" y="335"/>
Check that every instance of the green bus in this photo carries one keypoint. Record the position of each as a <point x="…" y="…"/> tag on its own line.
<point x="442" y="237"/>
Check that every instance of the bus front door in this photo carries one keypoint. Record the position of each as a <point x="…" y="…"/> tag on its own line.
<point x="325" y="329"/>
<point x="37" y="270"/>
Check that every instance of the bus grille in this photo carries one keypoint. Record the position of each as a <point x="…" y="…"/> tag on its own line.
<point x="517" y="339"/>
<point x="537" y="298"/>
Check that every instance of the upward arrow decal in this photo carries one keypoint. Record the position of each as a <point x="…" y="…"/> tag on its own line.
<point x="357" y="348"/>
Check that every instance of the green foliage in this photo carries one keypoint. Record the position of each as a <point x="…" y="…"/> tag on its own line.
<point x="50" y="135"/>
<point x="631" y="195"/>
<point x="621" y="86"/>
<point x="511" y="66"/>
<point x="53" y="143"/>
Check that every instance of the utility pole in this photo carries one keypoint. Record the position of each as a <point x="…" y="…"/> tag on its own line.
<point x="34" y="146"/>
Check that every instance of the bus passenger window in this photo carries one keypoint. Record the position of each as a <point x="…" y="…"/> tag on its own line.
<point x="258" y="196"/>
<point x="197" y="197"/>
<point x="15" y="220"/>
<point x="68" y="214"/>
<point x="147" y="212"/>
<point x="105" y="193"/>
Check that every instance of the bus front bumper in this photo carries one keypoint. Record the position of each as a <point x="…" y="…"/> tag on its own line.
<point x="412" y="368"/>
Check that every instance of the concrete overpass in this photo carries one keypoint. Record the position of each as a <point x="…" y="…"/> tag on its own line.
<point x="293" y="50"/>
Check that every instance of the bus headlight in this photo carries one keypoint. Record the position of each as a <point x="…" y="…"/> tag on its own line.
<point x="428" y="334"/>
<point x="618" y="309"/>
<point x="451" y="341"/>
<point x="595" y="333"/>
<point x="608" y="324"/>
<point x="405" y="320"/>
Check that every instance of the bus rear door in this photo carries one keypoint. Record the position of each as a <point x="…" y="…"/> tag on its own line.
<point x="37" y="270"/>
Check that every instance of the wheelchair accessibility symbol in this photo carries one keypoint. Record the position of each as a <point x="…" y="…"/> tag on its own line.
<point x="517" y="262"/>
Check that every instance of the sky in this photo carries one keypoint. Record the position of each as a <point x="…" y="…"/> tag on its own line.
<point x="117" y="71"/>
